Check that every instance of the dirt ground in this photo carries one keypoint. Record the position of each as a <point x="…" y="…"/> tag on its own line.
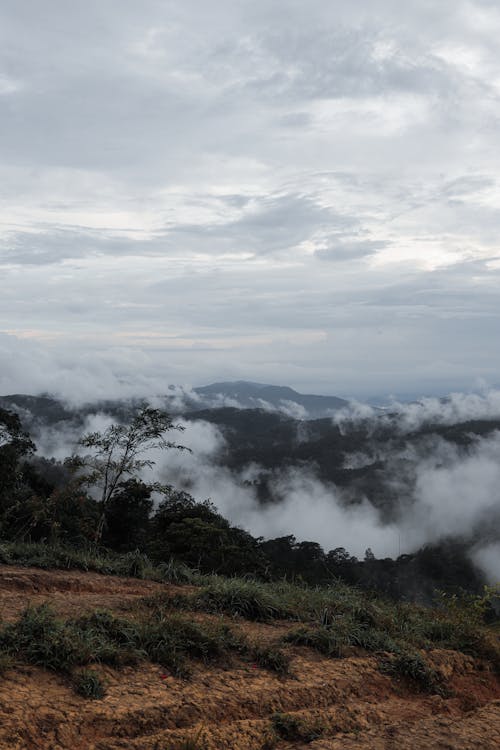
<point x="230" y="709"/>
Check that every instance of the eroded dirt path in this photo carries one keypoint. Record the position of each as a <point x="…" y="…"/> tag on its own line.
<point x="230" y="709"/>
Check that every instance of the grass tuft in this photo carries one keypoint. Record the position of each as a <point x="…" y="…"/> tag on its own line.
<point x="292" y="728"/>
<point x="272" y="658"/>
<point x="413" y="667"/>
<point x="88" y="684"/>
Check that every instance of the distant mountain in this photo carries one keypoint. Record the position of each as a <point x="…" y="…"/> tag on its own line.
<point x="247" y="395"/>
<point x="42" y="408"/>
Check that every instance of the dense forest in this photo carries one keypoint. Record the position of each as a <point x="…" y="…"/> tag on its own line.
<point x="98" y="498"/>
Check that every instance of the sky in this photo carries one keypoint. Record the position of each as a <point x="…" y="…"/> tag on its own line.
<point x="305" y="193"/>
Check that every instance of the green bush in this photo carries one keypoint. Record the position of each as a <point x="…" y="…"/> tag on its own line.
<point x="295" y="729"/>
<point x="413" y="667"/>
<point x="42" y="639"/>
<point x="324" y="640"/>
<point x="236" y="597"/>
<point x="89" y="685"/>
<point x="272" y="658"/>
<point x="6" y="662"/>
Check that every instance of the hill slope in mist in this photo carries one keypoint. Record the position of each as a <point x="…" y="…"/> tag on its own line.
<point x="247" y="395"/>
<point x="392" y="480"/>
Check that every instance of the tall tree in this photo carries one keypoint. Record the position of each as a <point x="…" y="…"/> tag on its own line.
<point x="120" y="453"/>
<point x="15" y="444"/>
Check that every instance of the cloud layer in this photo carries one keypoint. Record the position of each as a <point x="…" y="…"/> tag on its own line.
<point x="300" y="193"/>
<point x="443" y="490"/>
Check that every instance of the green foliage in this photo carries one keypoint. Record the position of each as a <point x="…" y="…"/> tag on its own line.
<point x="170" y="641"/>
<point x="195" y="533"/>
<point x="89" y="684"/>
<point x="195" y="742"/>
<point x="116" y="456"/>
<point x="327" y="641"/>
<point x="114" y="640"/>
<point x="41" y="639"/>
<point x="175" y="571"/>
<point x="15" y="444"/>
<point x="6" y="662"/>
<point x="413" y="667"/>
<point x="128" y="516"/>
<point x="67" y="515"/>
<point x="335" y="619"/>
<point x="240" y="598"/>
<point x="134" y="564"/>
<point x="293" y="728"/>
<point x="272" y="658"/>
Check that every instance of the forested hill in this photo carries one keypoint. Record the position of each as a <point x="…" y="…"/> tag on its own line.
<point x="259" y="395"/>
<point x="350" y="475"/>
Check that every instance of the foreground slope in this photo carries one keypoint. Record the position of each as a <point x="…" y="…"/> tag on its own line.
<point x="321" y="702"/>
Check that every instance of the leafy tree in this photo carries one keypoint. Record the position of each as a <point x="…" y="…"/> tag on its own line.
<point x="15" y="444"/>
<point x="128" y="516"/>
<point x="197" y="534"/>
<point x="119" y="454"/>
<point x="67" y="515"/>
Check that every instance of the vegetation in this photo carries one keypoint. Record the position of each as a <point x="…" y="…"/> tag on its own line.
<point x="413" y="667"/>
<point x="88" y="684"/>
<point x="115" y="458"/>
<point x="295" y="729"/>
<point x="98" y="504"/>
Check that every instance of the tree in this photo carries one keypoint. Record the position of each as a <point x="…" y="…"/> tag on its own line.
<point x="120" y="453"/>
<point x="128" y="516"/>
<point x="15" y="444"/>
<point x="196" y="533"/>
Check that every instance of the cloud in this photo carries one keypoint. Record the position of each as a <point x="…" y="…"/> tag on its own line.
<point x="353" y="250"/>
<point x="172" y="176"/>
<point x="409" y="417"/>
<point x="439" y="488"/>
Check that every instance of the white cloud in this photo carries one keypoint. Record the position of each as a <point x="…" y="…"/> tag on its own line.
<point x="175" y="176"/>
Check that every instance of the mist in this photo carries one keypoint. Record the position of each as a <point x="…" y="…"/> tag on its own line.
<point x="443" y="489"/>
<point x="454" y="491"/>
<point x="407" y="417"/>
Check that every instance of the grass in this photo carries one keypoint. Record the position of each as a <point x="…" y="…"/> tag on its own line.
<point x="332" y="619"/>
<point x="133" y="564"/>
<point x="414" y="668"/>
<point x="6" y="663"/>
<point x="326" y="641"/>
<point x="194" y="742"/>
<point x="41" y="638"/>
<point x="88" y="684"/>
<point x="293" y="728"/>
<point x="239" y="598"/>
<point x="271" y="657"/>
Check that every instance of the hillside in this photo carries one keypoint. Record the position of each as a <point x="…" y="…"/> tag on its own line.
<point x="269" y="397"/>
<point x="230" y="701"/>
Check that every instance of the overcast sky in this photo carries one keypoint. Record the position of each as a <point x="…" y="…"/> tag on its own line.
<point x="292" y="192"/>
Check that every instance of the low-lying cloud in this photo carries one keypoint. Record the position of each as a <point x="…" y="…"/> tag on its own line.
<point x="443" y="489"/>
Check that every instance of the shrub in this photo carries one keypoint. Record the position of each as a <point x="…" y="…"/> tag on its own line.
<point x="237" y="597"/>
<point x="171" y="641"/>
<point x="292" y="728"/>
<point x="413" y="667"/>
<point x="41" y="639"/>
<point x="272" y="658"/>
<point x="5" y="662"/>
<point x="89" y="685"/>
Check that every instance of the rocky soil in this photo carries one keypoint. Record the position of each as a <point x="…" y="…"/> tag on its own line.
<point x="349" y="702"/>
